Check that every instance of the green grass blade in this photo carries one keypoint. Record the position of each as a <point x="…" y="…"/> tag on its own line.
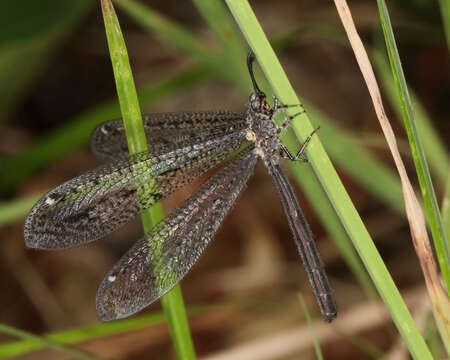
<point x="365" y="345"/>
<point x="46" y="342"/>
<point x="173" y="34"/>
<point x="126" y="91"/>
<point x="316" y="343"/>
<point x="331" y="182"/>
<point x="433" y="338"/>
<point x="431" y="207"/>
<point x="445" y="207"/>
<point x="180" y="38"/>
<point x="175" y="313"/>
<point x="77" y="335"/>
<point x="69" y="137"/>
<point x="432" y="142"/>
<point x="92" y="332"/>
<point x="137" y="142"/>
<point x="168" y="31"/>
<point x="217" y="16"/>
<point x="445" y="13"/>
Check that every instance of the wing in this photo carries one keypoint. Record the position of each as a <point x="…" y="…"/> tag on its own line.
<point x="94" y="204"/>
<point x="163" y="257"/>
<point x="167" y="131"/>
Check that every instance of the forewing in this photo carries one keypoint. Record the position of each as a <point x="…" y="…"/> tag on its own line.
<point x="93" y="205"/>
<point x="161" y="259"/>
<point x="167" y="131"/>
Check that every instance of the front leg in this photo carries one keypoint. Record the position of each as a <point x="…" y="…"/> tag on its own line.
<point x="277" y="105"/>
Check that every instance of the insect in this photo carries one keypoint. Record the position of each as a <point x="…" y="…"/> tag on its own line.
<point x="182" y="146"/>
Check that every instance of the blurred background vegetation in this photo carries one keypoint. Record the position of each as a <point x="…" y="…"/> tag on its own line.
<point x="56" y="85"/>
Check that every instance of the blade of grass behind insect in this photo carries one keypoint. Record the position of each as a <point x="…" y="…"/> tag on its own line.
<point x="176" y="36"/>
<point x="445" y="207"/>
<point x="218" y="19"/>
<point x="168" y="31"/>
<point x="327" y="175"/>
<point x="432" y="142"/>
<point x="77" y="335"/>
<point x="433" y="338"/>
<point x="431" y="207"/>
<point x="45" y="342"/>
<point x="172" y="302"/>
<point x="364" y="344"/>
<point x="316" y="343"/>
<point x="445" y="13"/>
<point x="92" y="332"/>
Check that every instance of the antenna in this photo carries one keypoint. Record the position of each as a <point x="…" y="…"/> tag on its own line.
<point x="250" y="60"/>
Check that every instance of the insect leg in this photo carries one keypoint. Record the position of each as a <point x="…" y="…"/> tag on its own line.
<point x="285" y="154"/>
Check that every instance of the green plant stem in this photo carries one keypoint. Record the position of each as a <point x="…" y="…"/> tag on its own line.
<point x="92" y="332"/>
<point x="432" y="141"/>
<point x="316" y="342"/>
<point x="330" y="181"/>
<point x="47" y="342"/>
<point x="431" y="207"/>
<point x="137" y="142"/>
<point x="445" y="13"/>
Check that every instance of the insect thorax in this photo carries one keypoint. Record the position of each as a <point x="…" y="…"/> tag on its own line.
<point x="263" y="132"/>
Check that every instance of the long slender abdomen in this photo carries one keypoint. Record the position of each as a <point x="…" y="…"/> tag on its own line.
<point x="305" y="243"/>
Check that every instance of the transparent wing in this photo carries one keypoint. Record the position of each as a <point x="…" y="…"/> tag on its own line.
<point x="161" y="259"/>
<point x="167" y="131"/>
<point x="94" y="204"/>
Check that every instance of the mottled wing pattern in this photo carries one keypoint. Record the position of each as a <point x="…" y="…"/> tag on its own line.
<point x="94" y="204"/>
<point x="167" y="131"/>
<point x="163" y="257"/>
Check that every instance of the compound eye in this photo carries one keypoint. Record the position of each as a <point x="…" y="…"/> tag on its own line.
<point x="255" y="104"/>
